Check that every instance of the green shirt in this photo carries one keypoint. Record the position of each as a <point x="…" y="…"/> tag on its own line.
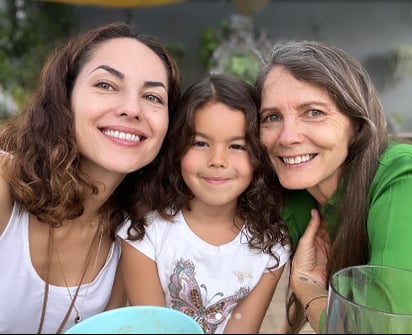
<point x="390" y="209"/>
<point x="389" y="222"/>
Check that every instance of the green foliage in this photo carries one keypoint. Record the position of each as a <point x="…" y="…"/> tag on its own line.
<point x="243" y="65"/>
<point x="400" y="61"/>
<point x="235" y="56"/>
<point x="29" y="30"/>
<point x="209" y="43"/>
<point x="211" y="38"/>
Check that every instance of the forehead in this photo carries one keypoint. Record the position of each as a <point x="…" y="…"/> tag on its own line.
<point x="129" y="56"/>
<point x="219" y="117"/>
<point x="281" y="84"/>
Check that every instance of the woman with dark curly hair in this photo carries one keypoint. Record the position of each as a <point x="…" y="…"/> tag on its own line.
<point x="68" y="174"/>
<point x="216" y="247"/>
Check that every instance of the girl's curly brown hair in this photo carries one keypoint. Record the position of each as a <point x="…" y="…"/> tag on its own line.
<point x="259" y="205"/>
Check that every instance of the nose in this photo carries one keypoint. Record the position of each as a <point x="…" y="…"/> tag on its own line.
<point x="132" y="106"/>
<point x="217" y="158"/>
<point x="290" y="131"/>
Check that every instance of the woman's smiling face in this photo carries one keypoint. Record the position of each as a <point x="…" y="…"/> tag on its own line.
<point x="120" y="104"/>
<point x="306" y="135"/>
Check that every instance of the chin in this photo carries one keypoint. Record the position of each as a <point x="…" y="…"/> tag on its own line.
<point x="290" y="185"/>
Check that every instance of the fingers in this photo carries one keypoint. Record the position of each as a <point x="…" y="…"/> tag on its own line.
<point x="312" y="228"/>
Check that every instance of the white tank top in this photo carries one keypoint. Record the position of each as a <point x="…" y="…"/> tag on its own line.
<point x="22" y="290"/>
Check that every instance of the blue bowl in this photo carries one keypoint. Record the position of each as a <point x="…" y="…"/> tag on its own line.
<point x="138" y="320"/>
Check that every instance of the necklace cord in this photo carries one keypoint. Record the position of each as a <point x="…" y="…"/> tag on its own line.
<point x="46" y="290"/>
<point x="78" y="317"/>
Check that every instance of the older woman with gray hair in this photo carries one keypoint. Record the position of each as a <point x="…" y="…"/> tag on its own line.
<point x="347" y="184"/>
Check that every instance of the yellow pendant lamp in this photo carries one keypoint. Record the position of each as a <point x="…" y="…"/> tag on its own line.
<point x="117" y="3"/>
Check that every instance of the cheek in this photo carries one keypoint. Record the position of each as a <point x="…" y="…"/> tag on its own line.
<point x="80" y="127"/>
<point x="189" y="168"/>
<point x="160" y="124"/>
<point x="267" y="137"/>
<point x="189" y="163"/>
<point x="248" y="172"/>
<point x="345" y="140"/>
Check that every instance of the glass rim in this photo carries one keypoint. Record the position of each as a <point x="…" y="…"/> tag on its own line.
<point x="367" y="267"/>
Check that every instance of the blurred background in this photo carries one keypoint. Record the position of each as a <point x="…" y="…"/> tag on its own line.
<point x="218" y="35"/>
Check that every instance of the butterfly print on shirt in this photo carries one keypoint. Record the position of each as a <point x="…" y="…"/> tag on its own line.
<point x="187" y="297"/>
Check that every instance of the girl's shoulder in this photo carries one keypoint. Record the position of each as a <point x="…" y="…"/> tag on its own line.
<point x="155" y="224"/>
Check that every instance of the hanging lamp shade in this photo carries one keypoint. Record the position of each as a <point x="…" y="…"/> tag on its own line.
<point x="250" y="7"/>
<point x="117" y="3"/>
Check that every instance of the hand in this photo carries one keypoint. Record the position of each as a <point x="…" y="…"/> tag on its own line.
<point x="311" y="256"/>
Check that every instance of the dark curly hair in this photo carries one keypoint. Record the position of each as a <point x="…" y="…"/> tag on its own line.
<point x="44" y="170"/>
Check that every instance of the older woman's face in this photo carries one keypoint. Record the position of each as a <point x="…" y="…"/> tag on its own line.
<point x="120" y="106"/>
<point x="305" y="133"/>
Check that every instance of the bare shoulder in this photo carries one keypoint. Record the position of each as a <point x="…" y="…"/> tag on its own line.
<point x="6" y="204"/>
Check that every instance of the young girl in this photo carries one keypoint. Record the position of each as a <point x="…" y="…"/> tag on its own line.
<point x="215" y="247"/>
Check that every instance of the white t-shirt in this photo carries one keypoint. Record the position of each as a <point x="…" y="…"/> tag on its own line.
<point x="200" y="279"/>
<point x="22" y="290"/>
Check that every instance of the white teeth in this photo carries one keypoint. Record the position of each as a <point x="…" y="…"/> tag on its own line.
<point x="297" y="159"/>
<point x="122" y="135"/>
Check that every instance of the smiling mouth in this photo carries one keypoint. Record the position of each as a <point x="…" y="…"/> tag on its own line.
<point x="123" y="135"/>
<point x="297" y="159"/>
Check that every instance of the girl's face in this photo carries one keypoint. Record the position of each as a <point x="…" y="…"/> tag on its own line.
<point x="306" y="134"/>
<point x="217" y="167"/>
<point x="120" y="106"/>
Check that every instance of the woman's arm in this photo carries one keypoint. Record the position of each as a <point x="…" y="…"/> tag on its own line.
<point x="118" y="296"/>
<point x="248" y="315"/>
<point x="389" y="224"/>
<point x="389" y="221"/>
<point x="6" y="204"/>
<point x="308" y="271"/>
<point x="140" y="278"/>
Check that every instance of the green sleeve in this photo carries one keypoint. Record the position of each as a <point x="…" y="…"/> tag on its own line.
<point x="322" y="321"/>
<point x="390" y="214"/>
<point x="390" y="225"/>
<point x="390" y="217"/>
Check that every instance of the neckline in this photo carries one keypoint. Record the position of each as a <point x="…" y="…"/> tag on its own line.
<point x="201" y="243"/>
<point x="46" y="287"/>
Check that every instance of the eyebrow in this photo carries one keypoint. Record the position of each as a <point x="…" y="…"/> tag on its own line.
<point x="306" y="104"/>
<point x="110" y="70"/>
<point x="234" y="138"/>
<point x="121" y="75"/>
